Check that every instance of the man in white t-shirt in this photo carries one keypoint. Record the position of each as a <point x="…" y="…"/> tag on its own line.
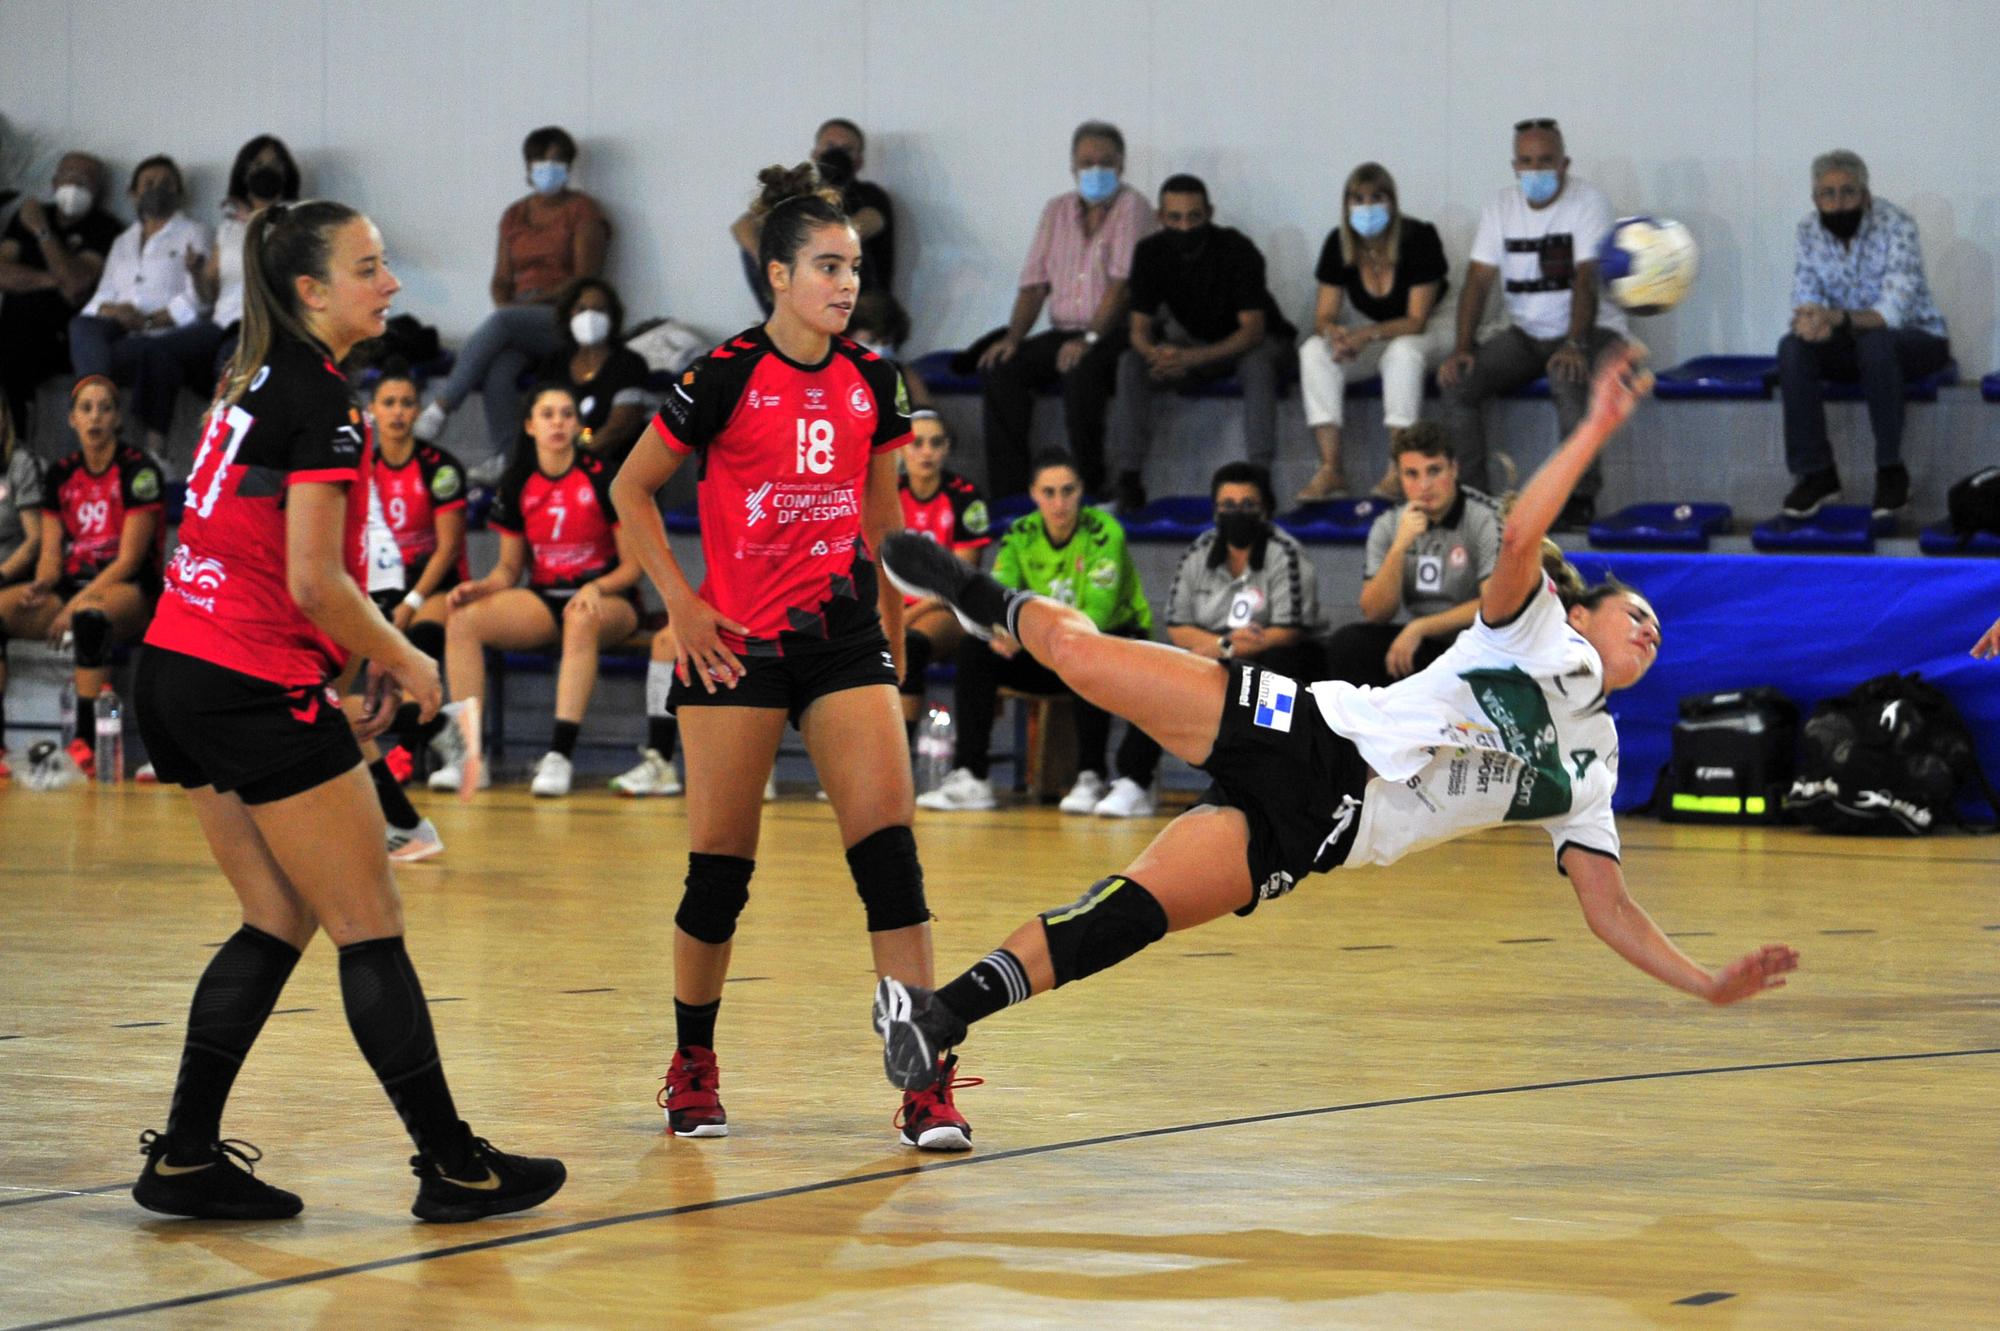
<point x="1540" y="241"/>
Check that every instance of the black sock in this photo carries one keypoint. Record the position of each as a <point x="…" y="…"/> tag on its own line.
<point x="694" y="1024"/>
<point x="234" y="996"/>
<point x="996" y="981"/>
<point x="661" y="732"/>
<point x="564" y="739"/>
<point x="392" y="1024"/>
<point x="396" y="806"/>
<point x="86" y="720"/>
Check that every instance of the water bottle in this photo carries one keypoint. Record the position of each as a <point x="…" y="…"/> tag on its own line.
<point x="110" y="737"/>
<point x="68" y="692"/>
<point x="934" y="750"/>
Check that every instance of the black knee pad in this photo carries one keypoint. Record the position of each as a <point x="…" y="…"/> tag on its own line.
<point x="427" y="638"/>
<point x="1113" y="920"/>
<point x="718" y="888"/>
<point x="916" y="660"/>
<point x="889" y="879"/>
<point x="90" y="633"/>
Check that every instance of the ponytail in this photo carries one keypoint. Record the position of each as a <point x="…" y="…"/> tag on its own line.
<point x="1571" y="587"/>
<point x="281" y="244"/>
<point x="791" y="202"/>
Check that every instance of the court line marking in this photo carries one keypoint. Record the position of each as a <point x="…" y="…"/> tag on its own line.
<point x="1017" y="1153"/>
<point x="55" y="1194"/>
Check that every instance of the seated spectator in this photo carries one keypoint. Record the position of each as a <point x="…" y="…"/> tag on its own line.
<point x="553" y="512"/>
<point x="1200" y="312"/>
<point x="1429" y="557"/>
<point x="1078" y="556"/>
<point x="606" y="377"/>
<point x="51" y="257"/>
<point x="147" y="326"/>
<point x="1540" y="241"/>
<point x="548" y="239"/>
<point x="97" y="572"/>
<point x="20" y="537"/>
<point x="1246" y="591"/>
<point x="263" y="174"/>
<point x="1861" y="312"/>
<point x="839" y="151"/>
<point x="1078" y="265"/>
<point x="880" y="324"/>
<point x="949" y="509"/>
<point x="1387" y="273"/>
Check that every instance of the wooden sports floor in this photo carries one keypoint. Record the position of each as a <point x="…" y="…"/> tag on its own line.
<point x="1419" y="1097"/>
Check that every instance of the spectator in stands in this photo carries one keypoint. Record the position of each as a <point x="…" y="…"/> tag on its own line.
<point x="1078" y="556"/>
<point x="1861" y="311"/>
<point x="147" y="325"/>
<point x="1246" y="590"/>
<point x="548" y="238"/>
<point x="1200" y="312"/>
<point x="20" y="537"/>
<point x="839" y="150"/>
<point x="1078" y="265"/>
<point x="606" y="377"/>
<point x="1389" y="270"/>
<point x="1539" y="239"/>
<point x="263" y="174"/>
<point x="51" y="256"/>
<point x="1429" y="557"/>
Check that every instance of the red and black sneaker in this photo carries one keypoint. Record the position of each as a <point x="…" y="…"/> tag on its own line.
<point x="83" y="756"/>
<point x="929" y="1120"/>
<point x="690" y="1098"/>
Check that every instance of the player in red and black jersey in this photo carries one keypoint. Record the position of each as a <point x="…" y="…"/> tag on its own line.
<point x="98" y="571"/>
<point x="554" y="515"/>
<point x="944" y="506"/>
<point x="263" y="606"/>
<point x="796" y="429"/>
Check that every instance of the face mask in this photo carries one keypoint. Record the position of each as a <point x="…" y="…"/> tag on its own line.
<point x="265" y="182"/>
<point x="1369" y="220"/>
<point x="589" y="327"/>
<point x="1097" y="183"/>
<point x="1239" y="527"/>
<point x="836" y="167"/>
<point x="1188" y="243"/>
<point x="157" y="201"/>
<point x="73" y="201"/>
<point x="548" y="177"/>
<point x="1538" y="187"/>
<point x="1843" y="224"/>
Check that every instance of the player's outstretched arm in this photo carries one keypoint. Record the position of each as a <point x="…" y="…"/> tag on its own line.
<point x="1988" y="645"/>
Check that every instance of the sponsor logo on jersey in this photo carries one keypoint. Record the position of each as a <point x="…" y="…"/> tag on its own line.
<point x="203" y="571"/>
<point x="446" y="482"/>
<point x="1104" y="573"/>
<point x="819" y="547"/>
<point x="902" y="395"/>
<point x="1276" y="698"/>
<point x="347" y="439"/>
<point x="1458" y="556"/>
<point x="146" y="485"/>
<point x="753" y="504"/>
<point x="859" y="400"/>
<point x="757" y="401"/>
<point x="976" y="518"/>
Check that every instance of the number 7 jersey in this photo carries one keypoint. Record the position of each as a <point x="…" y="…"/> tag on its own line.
<point x="785" y="451"/>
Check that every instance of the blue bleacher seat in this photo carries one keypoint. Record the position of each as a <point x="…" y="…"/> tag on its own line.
<point x="1719" y="377"/>
<point x="1174" y="518"/>
<point x="1921" y="389"/>
<point x="1683" y="526"/>
<point x="478" y="506"/>
<point x="1537" y="389"/>
<point x="1835" y="529"/>
<point x="934" y="368"/>
<point x="684" y="521"/>
<point x="1335" y="521"/>
<point x="1940" y="539"/>
<point x="1989" y="387"/>
<point x="1004" y="510"/>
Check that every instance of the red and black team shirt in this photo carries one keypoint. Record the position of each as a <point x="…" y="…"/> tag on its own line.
<point x="93" y="505"/>
<point x="785" y="450"/>
<point x="227" y="599"/>
<point x="954" y="516"/>
<point x="567" y="520"/>
<point x="429" y="483"/>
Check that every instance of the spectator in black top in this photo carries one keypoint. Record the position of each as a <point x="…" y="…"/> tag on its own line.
<point x="1219" y="319"/>
<point x="51" y="256"/>
<point x="1389" y="270"/>
<point x="839" y="150"/>
<point x="606" y="377"/>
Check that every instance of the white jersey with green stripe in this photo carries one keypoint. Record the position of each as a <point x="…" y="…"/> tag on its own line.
<point x="1508" y="726"/>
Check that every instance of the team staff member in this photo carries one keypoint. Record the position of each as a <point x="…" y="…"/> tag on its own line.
<point x="263" y="606"/>
<point x="98" y="571"/>
<point x="1308" y="779"/>
<point x="1247" y="590"/>
<point x="949" y="509"/>
<point x="553" y="513"/>
<point x="797" y="429"/>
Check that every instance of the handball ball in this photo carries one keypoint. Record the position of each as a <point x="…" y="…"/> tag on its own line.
<point x="1647" y="263"/>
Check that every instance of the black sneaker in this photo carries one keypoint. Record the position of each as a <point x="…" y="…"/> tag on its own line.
<point x="1892" y="490"/>
<point x="921" y="567"/>
<point x="1577" y="514"/>
<point x="1812" y="492"/>
<point x="916" y="1030"/>
<point x="213" y="1182"/>
<point x="490" y="1183"/>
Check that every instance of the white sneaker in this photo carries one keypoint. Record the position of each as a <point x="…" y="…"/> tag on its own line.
<point x="771" y="787"/>
<point x="146" y="776"/>
<point x="430" y="422"/>
<point x="487" y="472"/>
<point x="552" y="776"/>
<point x="452" y="775"/>
<point x="1126" y="799"/>
<point x="1084" y="795"/>
<point x="653" y="776"/>
<point x="960" y="790"/>
<point x="419" y="843"/>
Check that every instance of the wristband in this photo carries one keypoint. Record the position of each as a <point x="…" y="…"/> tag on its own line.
<point x="415" y="600"/>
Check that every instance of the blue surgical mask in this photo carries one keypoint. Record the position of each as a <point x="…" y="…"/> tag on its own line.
<point x="1538" y="187"/>
<point x="1369" y="220"/>
<point x="548" y="177"/>
<point x="1097" y="183"/>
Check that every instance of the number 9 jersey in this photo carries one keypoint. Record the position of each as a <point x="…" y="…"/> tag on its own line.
<point x="785" y="450"/>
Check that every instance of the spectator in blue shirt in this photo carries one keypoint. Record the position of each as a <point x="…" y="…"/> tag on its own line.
<point x="1861" y="312"/>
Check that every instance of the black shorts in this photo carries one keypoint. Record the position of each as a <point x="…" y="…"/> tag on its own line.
<point x="795" y="682"/>
<point x="387" y="600"/>
<point x="205" y="725"/>
<point x="1297" y="782"/>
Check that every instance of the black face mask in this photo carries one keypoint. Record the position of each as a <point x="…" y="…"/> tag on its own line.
<point x="265" y="182"/>
<point x="1239" y="527"/>
<point x="1843" y="224"/>
<point x="157" y="202"/>
<point x="1189" y="243"/>
<point x="836" y="167"/>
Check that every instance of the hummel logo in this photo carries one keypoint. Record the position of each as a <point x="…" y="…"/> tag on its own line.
<point x="306" y="715"/>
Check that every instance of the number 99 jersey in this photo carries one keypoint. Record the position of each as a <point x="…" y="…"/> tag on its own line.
<point x="785" y="451"/>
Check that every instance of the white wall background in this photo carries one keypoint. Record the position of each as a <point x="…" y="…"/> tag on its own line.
<point x="1708" y="110"/>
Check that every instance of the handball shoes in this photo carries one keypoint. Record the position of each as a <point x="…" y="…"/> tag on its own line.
<point x="213" y="1182"/>
<point x="928" y="1119"/>
<point x="921" y="567"/>
<point x="690" y="1096"/>
<point x="916" y="1029"/>
<point x="490" y="1182"/>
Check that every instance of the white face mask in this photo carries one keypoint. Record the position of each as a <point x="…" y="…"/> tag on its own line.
<point x="73" y="201"/>
<point x="589" y="327"/>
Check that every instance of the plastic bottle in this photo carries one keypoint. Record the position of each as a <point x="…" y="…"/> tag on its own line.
<point x="935" y="750"/>
<point x="110" y="737"/>
<point x="68" y="691"/>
